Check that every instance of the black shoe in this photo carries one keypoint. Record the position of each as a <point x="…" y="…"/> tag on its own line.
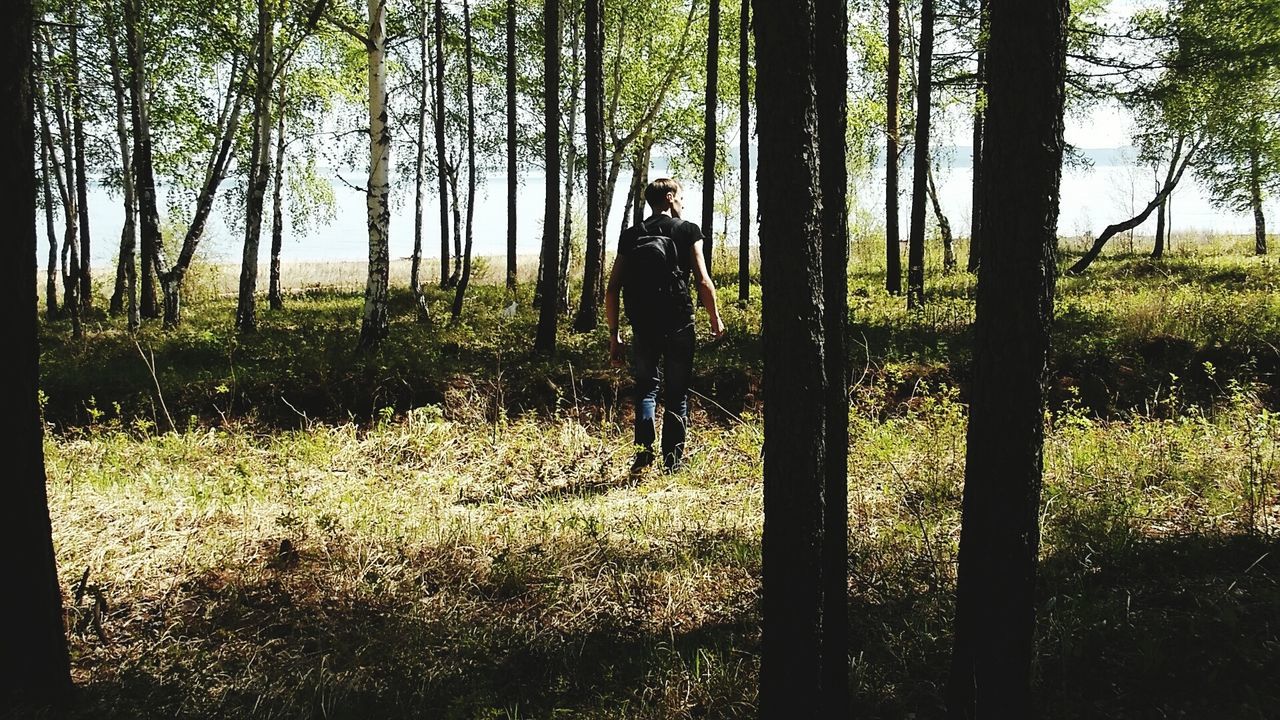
<point x="643" y="459"/>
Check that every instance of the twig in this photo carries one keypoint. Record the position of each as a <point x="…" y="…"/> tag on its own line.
<point x="151" y="368"/>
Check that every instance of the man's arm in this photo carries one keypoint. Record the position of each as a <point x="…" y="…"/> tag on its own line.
<point x="706" y="289"/>
<point x="611" y="312"/>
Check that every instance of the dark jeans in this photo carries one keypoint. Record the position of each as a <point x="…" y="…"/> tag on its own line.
<point x="675" y="353"/>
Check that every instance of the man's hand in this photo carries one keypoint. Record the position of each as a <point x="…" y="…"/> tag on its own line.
<point x="617" y="350"/>
<point x="717" y="326"/>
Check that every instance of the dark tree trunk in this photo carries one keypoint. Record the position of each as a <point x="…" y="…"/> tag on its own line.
<point x="1177" y="165"/>
<point x="144" y="180"/>
<point x="275" y="294"/>
<point x="588" y="309"/>
<point x="979" y="111"/>
<point x="744" y="153"/>
<point x="461" y="290"/>
<point x="419" y="175"/>
<point x="35" y="668"/>
<point x="999" y="540"/>
<point x="710" y="135"/>
<point x="831" y="64"/>
<point x="795" y="387"/>
<point x="892" y="246"/>
<point x="1255" y="201"/>
<point x="1157" y="252"/>
<point x="545" y="339"/>
<point x="441" y="160"/>
<point x="920" y="165"/>
<point x="85" y="294"/>
<point x="512" y="166"/>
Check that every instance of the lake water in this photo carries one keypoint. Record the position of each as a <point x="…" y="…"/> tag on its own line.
<point x="1092" y="198"/>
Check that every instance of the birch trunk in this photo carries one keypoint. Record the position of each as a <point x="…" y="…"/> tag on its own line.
<point x="374" y="324"/>
<point x="246" y="310"/>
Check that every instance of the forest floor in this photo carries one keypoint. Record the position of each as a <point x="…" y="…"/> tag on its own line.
<point x="272" y="527"/>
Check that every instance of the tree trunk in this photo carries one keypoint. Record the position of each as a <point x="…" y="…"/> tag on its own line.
<point x="246" y="309"/>
<point x="920" y="166"/>
<point x="35" y="669"/>
<point x="228" y="123"/>
<point x="85" y="293"/>
<point x="1177" y="164"/>
<point x="125" y="296"/>
<point x="441" y="160"/>
<point x="471" y="165"/>
<point x="454" y="169"/>
<point x="831" y="83"/>
<point x="51" y="267"/>
<point x="545" y="339"/>
<point x="944" y="226"/>
<point x="1255" y="201"/>
<point x="51" y="172"/>
<point x="275" y="294"/>
<point x="374" y="321"/>
<point x="999" y="539"/>
<point x="68" y="192"/>
<point x="588" y="309"/>
<point x="143" y="165"/>
<point x="512" y="166"/>
<point x="644" y="156"/>
<point x="419" y="175"/>
<point x="744" y="152"/>
<point x="795" y="387"/>
<point x="1157" y="252"/>
<point x="571" y="167"/>
<point x="979" y="111"/>
<point x="892" y="246"/>
<point x="710" y="135"/>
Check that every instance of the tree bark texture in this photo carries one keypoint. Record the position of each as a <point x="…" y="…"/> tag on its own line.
<point x="711" y="134"/>
<point x="34" y="668"/>
<point x="795" y="385"/>
<point x="513" y="167"/>
<point x="832" y="78"/>
<point x="1255" y="202"/>
<point x="979" y="112"/>
<point x="461" y="291"/>
<point x="570" y="164"/>
<point x="1000" y="534"/>
<point x="441" y="160"/>
<point x="920" y="164"/>
<point x="275" y="294"/>
<point x="82" y="174"/>
<point x="892" y="245"/>
<point x="419" y="174"/>
<point x="545" y="338"/>
<point x="374" y="321"/>
<point x="246" y="308"/>
<point x="124" y="298"/>
<point x="744" y="153"/>
<point x="588" y="309"/>
<point x="51" y="266"/>
<point x="143" y="165"/>
<point x="944" y="225"/>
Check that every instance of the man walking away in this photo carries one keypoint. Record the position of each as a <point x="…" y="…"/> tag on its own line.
<point x="652" y="270"/>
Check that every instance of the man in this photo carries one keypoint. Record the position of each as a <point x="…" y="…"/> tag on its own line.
<point x="661" y="317"/>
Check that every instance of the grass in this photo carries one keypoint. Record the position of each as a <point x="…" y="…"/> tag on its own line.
<point x="447" y="529"/>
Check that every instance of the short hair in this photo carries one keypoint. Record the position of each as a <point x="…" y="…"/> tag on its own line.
<point x="656" y="193"/>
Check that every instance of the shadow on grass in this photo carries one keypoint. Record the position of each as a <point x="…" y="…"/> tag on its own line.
<point x="1179" y="628"/>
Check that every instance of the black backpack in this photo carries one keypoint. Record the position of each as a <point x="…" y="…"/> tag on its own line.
<point x="655" y="290"/>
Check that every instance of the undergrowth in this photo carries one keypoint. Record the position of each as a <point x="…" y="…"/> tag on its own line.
<point x="447" y="528"/>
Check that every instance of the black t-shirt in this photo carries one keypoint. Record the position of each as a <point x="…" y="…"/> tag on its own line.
<point x="684" y="233"/>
